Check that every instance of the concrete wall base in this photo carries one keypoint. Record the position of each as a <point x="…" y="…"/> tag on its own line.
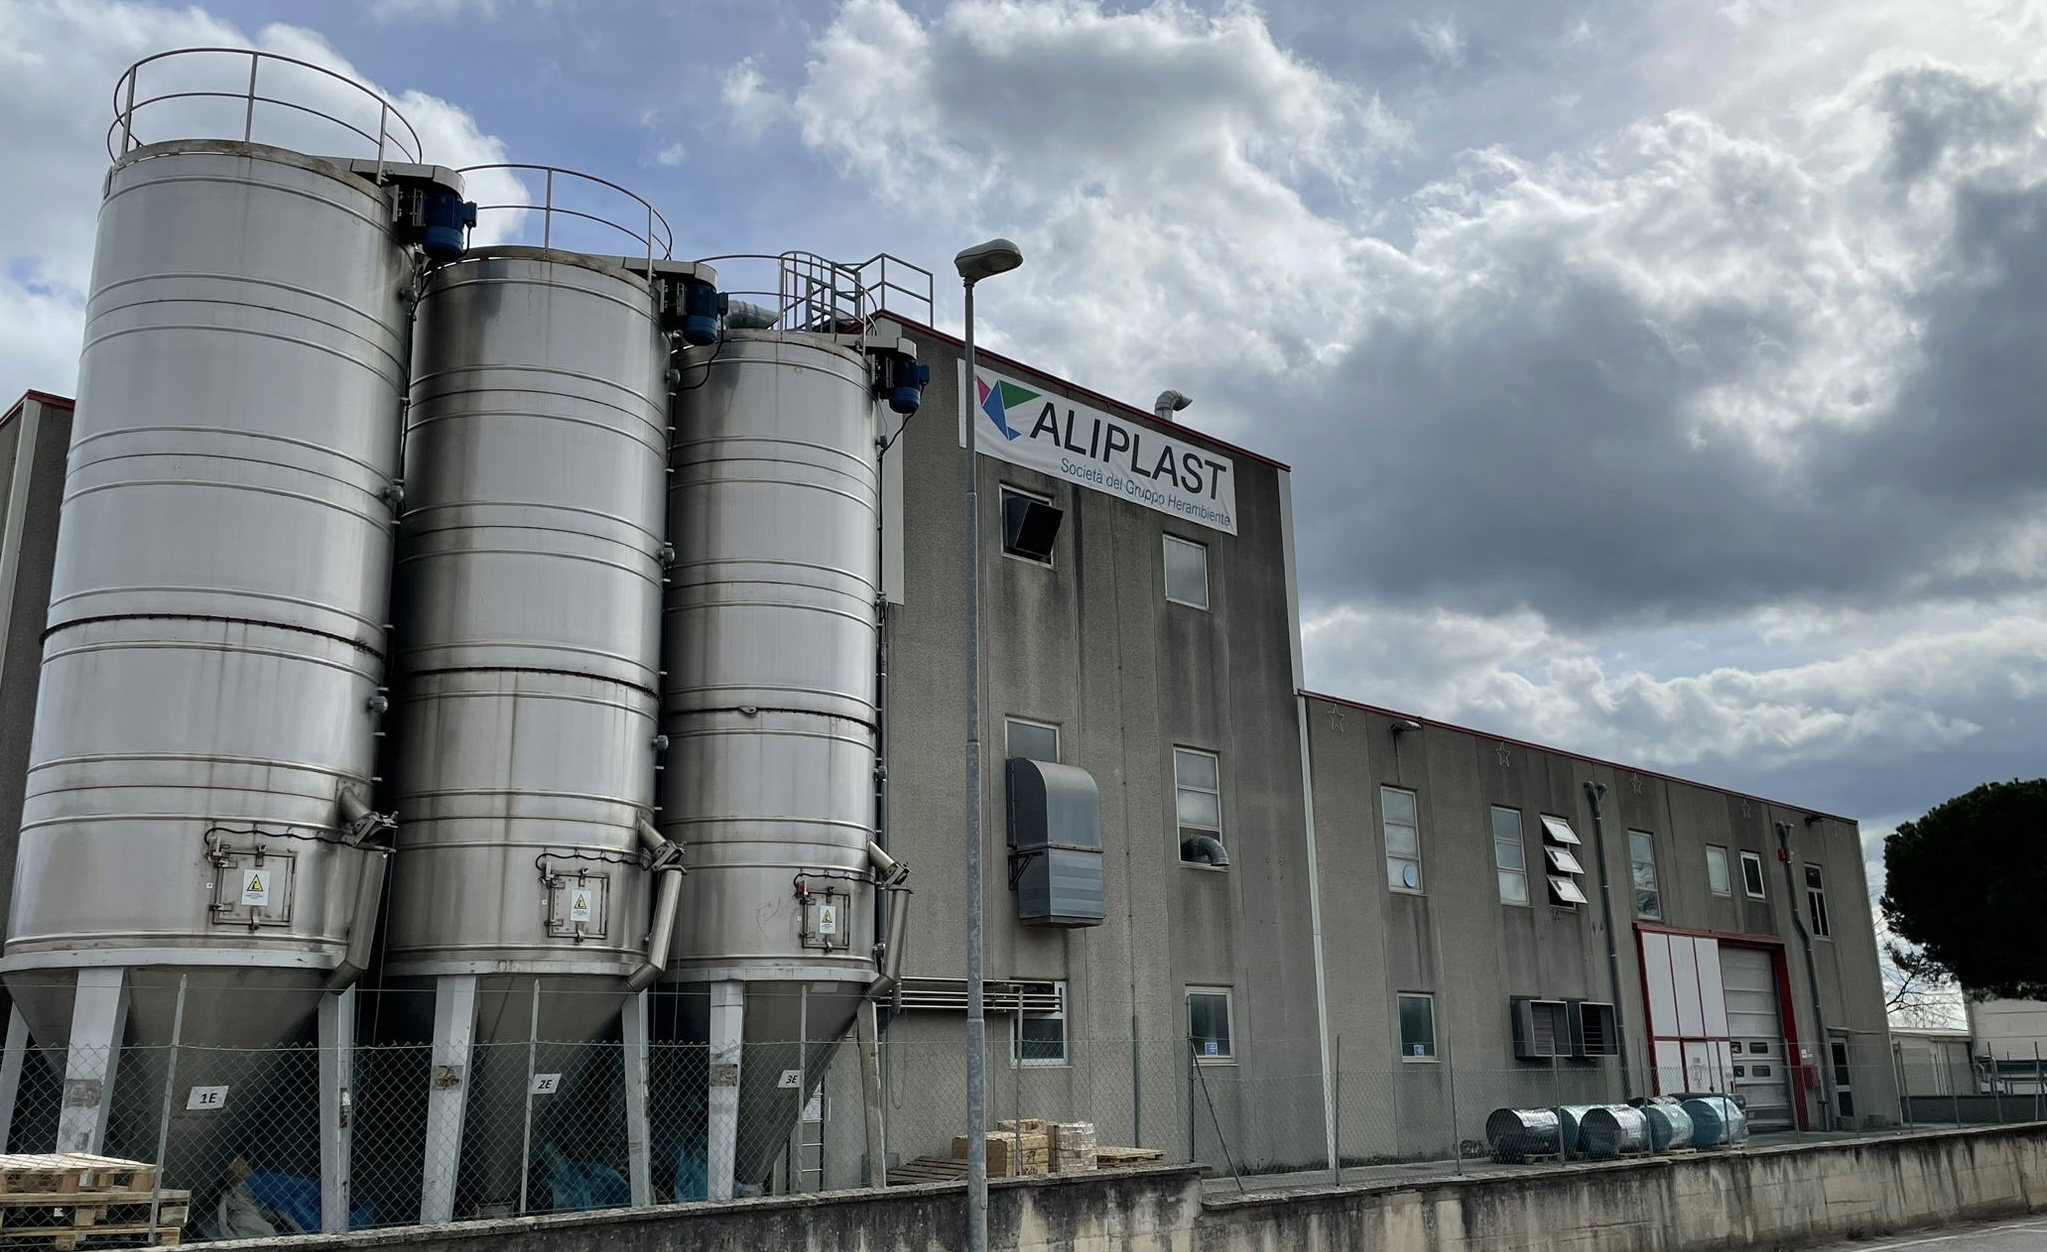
<point x="1764" y="1198"/>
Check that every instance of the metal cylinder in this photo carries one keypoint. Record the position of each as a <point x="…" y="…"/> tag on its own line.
<point x="1516" y="1134"/>
<point x="215" y="633"/>
<point x="770" y="646"/>
<point x="1669" y="1125"/>
<point x="1716" y="1121"/>
<point x="1614" y="1130"/>
<point x="528" y="617"/>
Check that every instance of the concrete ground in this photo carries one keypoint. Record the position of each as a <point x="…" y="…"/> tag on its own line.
<point x="2026" y="1234"/>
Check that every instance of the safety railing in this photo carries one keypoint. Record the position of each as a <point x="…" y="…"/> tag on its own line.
<point x="653" y="236"/>
<point x="896" y="286"/>
<point x="803" y="291"/>
<point x="393" y="138"/>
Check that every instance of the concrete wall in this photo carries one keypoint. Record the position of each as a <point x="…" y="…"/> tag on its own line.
<point x="1765" y="1198"/>
<point x="1712" y="1202"/>
<point x="1091" y="645"/>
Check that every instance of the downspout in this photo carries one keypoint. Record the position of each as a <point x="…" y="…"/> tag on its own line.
<point x="358" y="824"/>
<point x="1595" y="793"/>
<point x="666" y="865"/>
<point x="1821" y="1042"/>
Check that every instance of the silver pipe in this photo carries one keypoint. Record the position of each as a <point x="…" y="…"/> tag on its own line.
<point x="1596" y="793"/>
<point x="362" y="927"/>
<point x="658" y="940"/>
<point x="1821" y="1043"/>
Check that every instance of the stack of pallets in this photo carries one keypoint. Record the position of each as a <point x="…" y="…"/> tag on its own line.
<point x="69" y="1200"/>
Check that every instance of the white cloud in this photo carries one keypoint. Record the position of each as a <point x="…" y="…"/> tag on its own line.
<point x="446" y="10"/>
<point x="750" y="106"/>
<point x="673" y="154"/>
<point x="59" y="60"/>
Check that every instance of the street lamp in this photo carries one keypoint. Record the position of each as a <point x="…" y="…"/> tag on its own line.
<point x="985" y="260"/>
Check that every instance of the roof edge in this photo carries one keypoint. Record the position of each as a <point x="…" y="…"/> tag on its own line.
<point x="1089" y="394"/>
<point x="1532" y="746"/>
<point x="45" y="398"/>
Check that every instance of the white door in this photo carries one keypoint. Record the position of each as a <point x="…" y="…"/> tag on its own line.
<point x="1761" y="1076"/>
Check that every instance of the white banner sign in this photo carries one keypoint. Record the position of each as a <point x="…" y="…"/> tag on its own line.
<point x="1070" y="440"/>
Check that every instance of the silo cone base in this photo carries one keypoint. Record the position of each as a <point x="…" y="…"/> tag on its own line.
<point x="788" y="1036"/>
<point x="246" y="1086"/>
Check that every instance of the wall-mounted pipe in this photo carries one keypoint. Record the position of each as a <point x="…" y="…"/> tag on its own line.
<point x="1821" y="1042"/>
<point x="1596" y="794"/>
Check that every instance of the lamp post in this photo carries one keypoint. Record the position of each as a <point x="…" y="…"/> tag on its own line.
<point x="997" y="256"/>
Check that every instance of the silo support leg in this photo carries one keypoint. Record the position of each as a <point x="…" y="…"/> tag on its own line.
<point x="633" y="1020"/>
<point x="10" y="1072"/>
<point x="728" y="1030"/>
<point x="99" y="1017"/>
<point x="447" y="1100"/>
<point x="337" y="1111"/>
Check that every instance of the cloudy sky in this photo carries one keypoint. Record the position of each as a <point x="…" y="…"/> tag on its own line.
<point x="1665" y="378"/>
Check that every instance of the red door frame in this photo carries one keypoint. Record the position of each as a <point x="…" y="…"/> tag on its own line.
<point x="1787" y="1015"/>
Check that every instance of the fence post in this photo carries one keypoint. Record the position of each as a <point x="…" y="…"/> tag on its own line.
<point x="163" y="1125"/>
<point x="1336" y="1113"/>
<point x="10" y="1071"/>
<point x="1954" y="1090"/>
<point x="1456" y="1132"/>
<point x="1904" y="1082"/>
<point x="526" y="1131"/>
<point x="1997" y="1087"/>
<point x="2036" y="1080"/>
<point x="1556" y="1093"/>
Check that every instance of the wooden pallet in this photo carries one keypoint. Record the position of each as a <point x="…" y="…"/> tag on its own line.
<point x="1113" y="1158"/>
<point x="68" y="1173"/>
<point x="927" y="1169"/>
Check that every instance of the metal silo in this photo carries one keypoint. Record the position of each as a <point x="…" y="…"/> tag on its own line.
<point x="769" y="708"/>
<point x="528" y="606"/>
<point x="198" y="797"/>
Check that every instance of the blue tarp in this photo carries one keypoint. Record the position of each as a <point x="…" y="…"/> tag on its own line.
<point x="298" y="1200"/>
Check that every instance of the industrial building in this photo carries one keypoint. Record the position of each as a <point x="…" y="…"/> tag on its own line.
<point x="454" y="649"/>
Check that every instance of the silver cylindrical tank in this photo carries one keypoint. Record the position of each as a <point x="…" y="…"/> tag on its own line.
<point x="768" y="705"/>
<point x="528" y="619"/>
<point x="215" y="632"/>
<point x="770" y="636"/>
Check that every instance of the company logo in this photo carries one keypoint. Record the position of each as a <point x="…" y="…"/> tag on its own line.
<point x="995" y="402"/>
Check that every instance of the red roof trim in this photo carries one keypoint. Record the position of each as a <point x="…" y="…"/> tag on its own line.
<point x="1094" y="397"/>
<point x="40" y="397"/>
<point x="1576" y="756"/>
<point x="1736" y="937"/>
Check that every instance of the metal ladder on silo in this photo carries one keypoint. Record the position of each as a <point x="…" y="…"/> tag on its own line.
<point x="810" y="1143"/>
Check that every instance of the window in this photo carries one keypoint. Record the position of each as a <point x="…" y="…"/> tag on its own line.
<point x="1033" y="741"/>
<point x="1208" y="1023"/>
<point x="1642" y="861"/>
<point x="1417" y="1027"/>
<point x="1030" y="526"/>
<point x="1186" y="572"/>
<point x="1402" y="822"/>
<point x="1716" y="871"/>
<point x="1510" y="856"/>
<point x="1039" y="1038"/>
<point x="1561" y="866"/>
<point x="1197" y="781"/>
<point x="1816" y="902"/>
<point x="1752" y="874"/>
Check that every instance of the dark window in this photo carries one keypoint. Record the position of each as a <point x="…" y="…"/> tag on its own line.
<point x="1033" y="741"/>
<point x="1208" y="1024"/>
<point x="1400" y="819"/>
<point x="1186" y="572"/>
<point x="1510" y="856"/>
<point x="1642" y="861"/>
<point x="1030" y="525"/>
<point x="1040" y="1038"/>
<point x="1752" y="874"/>
<point x="1816" y="902"/>
<point x="1197" y="785"/>
<point x="1716" y="871"/>
<point x="1417" y="1028"/>
<point x="1597" y="1035"/>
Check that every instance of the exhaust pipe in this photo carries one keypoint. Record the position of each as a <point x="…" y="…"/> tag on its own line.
<point x="362" y="927"/>
<point x="891" y="876"/>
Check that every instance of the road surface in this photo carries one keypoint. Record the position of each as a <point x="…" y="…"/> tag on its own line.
<point x="2026" y="1234"/>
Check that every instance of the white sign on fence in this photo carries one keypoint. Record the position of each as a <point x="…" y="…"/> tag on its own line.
<point x="207" y="1098"/>
<point x="546" y="1084"/>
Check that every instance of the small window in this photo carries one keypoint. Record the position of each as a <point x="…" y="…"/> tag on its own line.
<point x="1752" y="874"/>
<point x="1417" y="1027"/>
<point x="1208" y="1024"/>
<point x="1186" y="572"/>
<point x="1197" y="781"/>
<point x="1562" y="861"/>
<point x="1816" y="902"/>
<point x="1510" y="856"/>
<point x="1040" y="1038"/>
<point x="1401" y="820"/>
<point x="1030" y="526"/>
<point x="1564" y="891"/>
<point x="1716" y="871"/>
<point x="1033" y="741"/>
<point x="1559" y="831"/>
<point x="1642" y="861"/>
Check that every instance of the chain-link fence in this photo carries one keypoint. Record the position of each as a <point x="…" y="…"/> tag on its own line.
<point x="535" y="1126"/>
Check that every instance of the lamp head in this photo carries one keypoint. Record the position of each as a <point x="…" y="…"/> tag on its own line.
<point x="985" y="260"/>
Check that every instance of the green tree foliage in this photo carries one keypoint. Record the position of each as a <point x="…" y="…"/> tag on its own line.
<point x="1967" y="885"/>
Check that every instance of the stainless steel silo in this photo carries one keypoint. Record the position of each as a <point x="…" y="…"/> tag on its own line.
<point x="769" y="708"/>
<point x="204" y="741"/>
<point x="528" y="605"/>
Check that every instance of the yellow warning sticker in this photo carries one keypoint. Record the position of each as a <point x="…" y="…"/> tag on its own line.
<point x="256" y="888"/>
<point x="579" y="906"/>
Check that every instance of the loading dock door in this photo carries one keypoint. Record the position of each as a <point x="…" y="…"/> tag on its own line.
<point x="1761" y="1077"/>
